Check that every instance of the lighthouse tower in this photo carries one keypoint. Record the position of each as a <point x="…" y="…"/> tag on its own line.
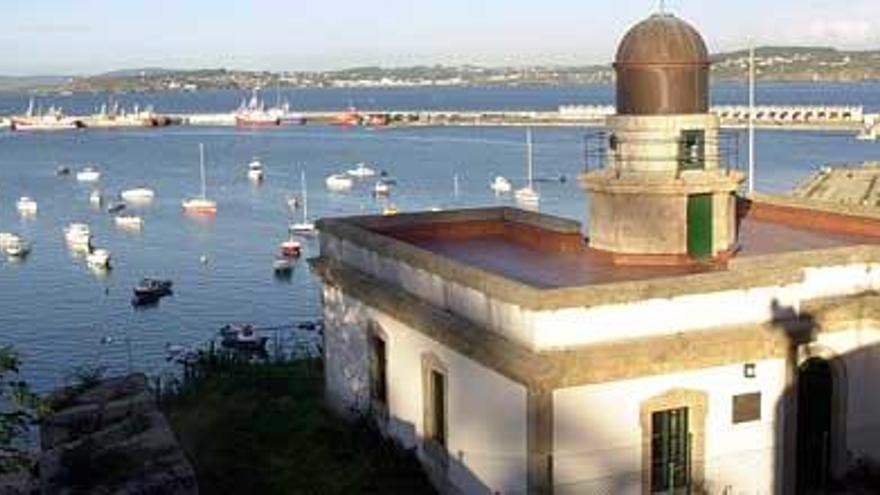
<point x="662" y="197"/>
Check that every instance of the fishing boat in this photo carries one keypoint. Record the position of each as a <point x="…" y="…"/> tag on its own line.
<point x="305" y="227"/>
<point x="78" y="236"/>
<point x="349" y="118"/>
<point x="51" y="120"/>
<point x="339" y="182"/>
<point x="254" y="113"/>
<point x="255" y="170"/>
<point x="26" y="205"/>
<point x="150" y="290"/>
<point x="138" y="195"/>
<point x="88" y="174"/>
<point x="98" y="258"/>
<point x="527" y="195"/>
<point x="501" y="185"/>
<point x="129" y="222"/>
<point x="361" y="171"/>
<point x="200" y="205"/>
<point x="244" y="338"/>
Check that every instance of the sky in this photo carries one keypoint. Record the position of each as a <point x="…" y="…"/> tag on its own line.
<point x="93" y="36"/>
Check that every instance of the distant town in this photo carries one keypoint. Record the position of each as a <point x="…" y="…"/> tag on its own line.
<point x="773" y="63"/>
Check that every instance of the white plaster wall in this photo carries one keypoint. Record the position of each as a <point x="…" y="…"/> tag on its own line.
<point x="597" y="431"/>
<point x="487" y="412"/>
<point x="859" y="350"/>
<point x="573" y="327"/>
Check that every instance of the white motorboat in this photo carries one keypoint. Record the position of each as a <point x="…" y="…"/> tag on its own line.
<point x="17" y="248"/>
<point x="339" y="182"/>
<point x="305" y="227"/>
<point x="528" y="196"/>
<point x="138" y="195"/>
<point x="255" y="170"/>
<point x="26" y="205"/>
<point x="130" y="222"/>
<point x="389" y="211"/>
<point x="501" y="185"/>
<point x="361" y="171"/>
<point x="98" y="258"/>
<point x="88" y="174"/>
<point x="95" y="198"/>
<point x="78" y="236"/>
<point x="7" y="238"/>
<point x="382" y="189"/>
<point x="200" y="205"/>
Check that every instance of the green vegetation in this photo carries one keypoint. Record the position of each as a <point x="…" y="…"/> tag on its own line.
<point x="20" y="408"/>
<point x="262" y="428"/>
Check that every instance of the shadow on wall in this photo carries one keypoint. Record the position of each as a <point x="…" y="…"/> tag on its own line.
<point x="828" y="417"/>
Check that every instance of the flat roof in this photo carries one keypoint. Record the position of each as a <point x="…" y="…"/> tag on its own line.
<point x="543" y="261"/>
<point x="504" y="256"/>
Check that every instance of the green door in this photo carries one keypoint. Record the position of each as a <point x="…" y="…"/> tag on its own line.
<point x="699" y="226"/>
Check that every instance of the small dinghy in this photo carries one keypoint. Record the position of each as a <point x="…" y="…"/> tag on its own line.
<point x="150" y="290"/>
<point x="283" y="265"/>
<point x="62" y="171"/>
<point x="243" y="338"/>
<point x="115" y="207"/>
<point x="88" y="174"/>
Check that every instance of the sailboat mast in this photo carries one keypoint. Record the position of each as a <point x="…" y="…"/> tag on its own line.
<point x="529" y="153"/>
<point x="202" y="167"/>
<point x="305" y="197"/>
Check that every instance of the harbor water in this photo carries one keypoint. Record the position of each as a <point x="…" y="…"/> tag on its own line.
<point x="61" y="315"/>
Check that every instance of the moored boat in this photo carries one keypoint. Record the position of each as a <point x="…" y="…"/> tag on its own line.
<point x="501" y="185"/>
<point x="88" y="174"/>
<point x="26" y="205"/>
<point x="244" y="338"/>
<point x="255" y="170"/>
<point x="115" y="207"/>
<point x="99" y="258"/>
<point x="291" y="248"/>
<point x="339" y="182"/>
<point x="382" y="188"/>
<point x="78" y="236"/>
<point x="131" y="222"/>
<point x="305" y="227"/>
<point x="283" y="265"/>
<point x="150" y="290"/>
<point x="200" y="205"/>
<point x="138" y="195"/>
<point x="14" y="245"/>
<point x="95" y="198"/>
<point x="361" y="171"/>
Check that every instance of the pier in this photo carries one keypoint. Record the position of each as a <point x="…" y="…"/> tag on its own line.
<point x="776" y="117"/>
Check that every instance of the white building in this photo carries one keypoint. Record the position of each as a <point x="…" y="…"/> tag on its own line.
<point x="697" y="342"/>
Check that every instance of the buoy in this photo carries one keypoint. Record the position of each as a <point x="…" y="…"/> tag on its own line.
<point x="203" y="259"/>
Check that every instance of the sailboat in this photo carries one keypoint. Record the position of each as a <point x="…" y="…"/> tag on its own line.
<point x="305" y="227"/>
<point x="201" y="204"/>
<point x="528" y="195"/>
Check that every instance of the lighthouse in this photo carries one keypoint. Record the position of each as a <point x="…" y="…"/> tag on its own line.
<point x="662" y="196"/>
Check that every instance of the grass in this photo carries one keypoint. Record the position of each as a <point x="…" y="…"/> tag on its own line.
<point x="263" y="428"/>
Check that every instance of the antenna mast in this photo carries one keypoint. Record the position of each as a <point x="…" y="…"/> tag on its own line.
<point x="751" y="117"/>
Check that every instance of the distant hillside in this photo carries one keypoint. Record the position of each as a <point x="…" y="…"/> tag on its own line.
<point x="801" y="64"/>
<point x="820" y="64"/>
<point x="15" y="83"/>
